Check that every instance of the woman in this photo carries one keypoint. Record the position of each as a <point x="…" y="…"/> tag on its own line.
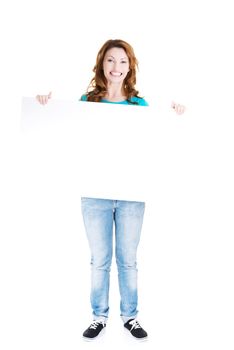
<point x="114" y="82"/>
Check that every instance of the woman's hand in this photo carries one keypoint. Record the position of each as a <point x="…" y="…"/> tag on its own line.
<point x="179" y="109"/>
<point x="43" y="99"/>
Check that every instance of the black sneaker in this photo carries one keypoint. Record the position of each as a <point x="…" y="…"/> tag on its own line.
<point x="94" y="330"/>
<point x="135" y="329"/>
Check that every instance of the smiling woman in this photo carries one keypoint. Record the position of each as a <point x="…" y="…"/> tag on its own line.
<point x="113" y="82"/>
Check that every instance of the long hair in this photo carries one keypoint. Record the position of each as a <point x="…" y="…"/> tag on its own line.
<point x="97" y="88"/>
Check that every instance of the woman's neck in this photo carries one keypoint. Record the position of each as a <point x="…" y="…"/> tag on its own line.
<point x="115" y="93"/>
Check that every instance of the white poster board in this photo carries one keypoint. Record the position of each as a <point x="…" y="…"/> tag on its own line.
<point x="108" y="145"/>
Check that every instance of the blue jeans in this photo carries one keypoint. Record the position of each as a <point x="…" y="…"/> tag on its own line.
<point x="99" y="216"/>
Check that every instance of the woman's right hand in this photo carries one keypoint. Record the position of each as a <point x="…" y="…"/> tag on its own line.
<point x="43" y="99"/>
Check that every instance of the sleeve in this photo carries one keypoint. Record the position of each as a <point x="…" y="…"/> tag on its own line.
<point x="143" y="102"/>
<point x="83" y="98"/>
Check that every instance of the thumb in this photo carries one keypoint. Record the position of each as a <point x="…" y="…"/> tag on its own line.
<point x="173" y="104"/>
<point x="49" y="95"/>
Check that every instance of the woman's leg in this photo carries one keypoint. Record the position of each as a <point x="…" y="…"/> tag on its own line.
<point x="128" y="223"/>
<point x="98" y="221"/>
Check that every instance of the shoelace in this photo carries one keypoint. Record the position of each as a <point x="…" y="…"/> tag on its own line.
<point x="94" y="324"/>
<point x="135" y="324"/>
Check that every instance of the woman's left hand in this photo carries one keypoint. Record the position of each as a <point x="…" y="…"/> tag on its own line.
<point x="179" y="109"/>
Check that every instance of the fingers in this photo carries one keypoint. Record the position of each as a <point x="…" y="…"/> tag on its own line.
<point x="43" y="99"/>
<point x="179" y="109"/>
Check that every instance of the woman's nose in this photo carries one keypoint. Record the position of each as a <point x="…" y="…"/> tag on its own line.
<point x="116" y="66"/>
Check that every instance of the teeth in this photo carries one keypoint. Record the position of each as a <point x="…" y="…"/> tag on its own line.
<point x="116" y="74"/>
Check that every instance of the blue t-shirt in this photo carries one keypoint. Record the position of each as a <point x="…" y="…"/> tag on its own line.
<point x="140" y="101"/>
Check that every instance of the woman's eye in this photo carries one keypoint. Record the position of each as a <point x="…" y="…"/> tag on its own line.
<point x="123" y="61"/>
<point x="109" y="60"/>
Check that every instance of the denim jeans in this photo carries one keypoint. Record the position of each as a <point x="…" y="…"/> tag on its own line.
<point x="100" y="215"/>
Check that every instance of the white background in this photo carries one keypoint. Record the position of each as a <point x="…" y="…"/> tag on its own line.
<point x="186" y="253"/>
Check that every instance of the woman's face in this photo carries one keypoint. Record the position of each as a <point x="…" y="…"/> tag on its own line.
<point x="115" y="65"/>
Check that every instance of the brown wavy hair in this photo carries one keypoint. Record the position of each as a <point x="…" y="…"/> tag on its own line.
<point x="97" y="88"/>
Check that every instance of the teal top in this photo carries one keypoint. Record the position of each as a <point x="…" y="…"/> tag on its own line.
<point x="139" y="101"/>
